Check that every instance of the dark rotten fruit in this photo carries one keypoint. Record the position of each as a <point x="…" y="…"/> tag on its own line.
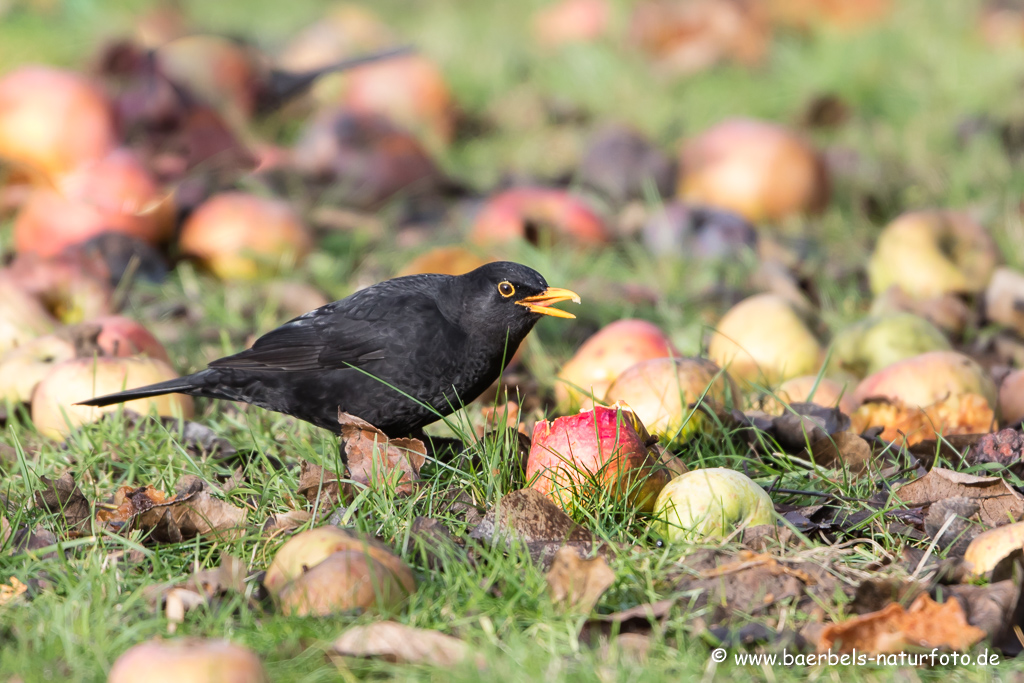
<point x="400" y="354"/>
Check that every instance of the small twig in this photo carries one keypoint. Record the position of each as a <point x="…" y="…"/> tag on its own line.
<point x="931" y="548"/>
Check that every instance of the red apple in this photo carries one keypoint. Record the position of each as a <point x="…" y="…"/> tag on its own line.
<point x="765" y="340"/>
<point x="122" y="337"/>
<point x="113" y="194"/>
<point x="605" y="356"/>
<point x="760" y="170"/>
<point x="74" y="286"/>
<point x="595" y="451"/>
<point x="83" y="378"/>
<point x="661" y="390"/>
<point x="411" y="91"/>
<point x="241" y="236"/>
<point x="571" y="21"/>
<point x="53" y="121"/>
<point x="538" y="215"/>
<point x="1011" y="398"/>
<point x="219" y="71"/>
<point x="191" y="660"/>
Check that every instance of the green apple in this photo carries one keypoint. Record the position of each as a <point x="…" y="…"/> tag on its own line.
<point x="879" y="341"/>
<point x="711" y="503"/>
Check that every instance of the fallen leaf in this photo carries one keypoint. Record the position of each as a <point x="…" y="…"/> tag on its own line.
<point x="529" y="517"/>
<point x="193" y="512"/>
<point x="398" y="643"/>
<point x="998" y="502"/>
<point x="322" y="488"/>
<point x="1005" y="447"/>
<point x="378" y="462"/>
<point x="956" y="535"/>
<point x="62" y="496"/>
<point x="926" y="624"/>
<point x="10" y="591"/>
<point x="839" y="449"/>
<point x="993" y="608"/>
<point x="577" y="584"/>
<point x="640" y="619"/>
<point x="197" y="590"/>
<point x="286" y="521"/>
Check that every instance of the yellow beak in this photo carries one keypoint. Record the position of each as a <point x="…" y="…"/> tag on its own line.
<point x="541" y="303"/>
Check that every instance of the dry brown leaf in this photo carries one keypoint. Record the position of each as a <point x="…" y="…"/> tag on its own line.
<point x="321" y="487"/>
<point x="285" y="522"/>
<point x="129" y="502"/>
<point x="577" y="584"/>
<point x="193" y="512"/>
<point x="926" y="624"/>
<point x="529" y="517"/>
<point x="61" y="495"/>
<point x="992" y="608"/>
<point x="998" y="502"/>
<point x="198" y="589"/>
<point x="403" y="644"/>
<point x="379" y="462"/>
<point x="842" y="448"/>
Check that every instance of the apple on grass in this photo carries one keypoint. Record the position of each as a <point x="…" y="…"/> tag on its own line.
<point x="53" y="402"/>
<point x="187" y="660"/>
<point x="538" y="215"/>
<point x="602" y="453"/>
<point x="711" y="503"/>
<point x="879" y="341"/>
<point x="604" y="356"/>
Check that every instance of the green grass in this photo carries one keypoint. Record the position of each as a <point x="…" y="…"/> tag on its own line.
<point x="909" y="84"/>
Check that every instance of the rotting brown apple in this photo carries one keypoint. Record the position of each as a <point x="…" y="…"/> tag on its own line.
<point x="311" y="547"/>
<point x="661" y="392"/>
<point x="1004" y="299"/>
<point x="571" y="21"/>
<point x="604" y="356"/>
<point x="113" y="194"/>
<point x="73" y="285"/>
<point x="53" y="403"/>
<point x="191" y="660"/>
<point x="871" y="344"/>
<point x="765" y="340"/>
<point x="595" y="453"/>
<point x="53" y="121"/>
<point x="347" y="581"/>
<point x="240" y="236"/>
<point x="538" y="215"/>
<point x="934" y="252"/>
<point x="760" y="170"/>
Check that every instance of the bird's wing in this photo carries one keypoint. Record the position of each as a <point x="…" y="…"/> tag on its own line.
<point x="348" y="333"/>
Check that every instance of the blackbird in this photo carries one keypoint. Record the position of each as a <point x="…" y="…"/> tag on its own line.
<point x="400" y="354"/>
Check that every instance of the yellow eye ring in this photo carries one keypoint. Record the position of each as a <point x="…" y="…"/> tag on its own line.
<point x="506" y="289"/>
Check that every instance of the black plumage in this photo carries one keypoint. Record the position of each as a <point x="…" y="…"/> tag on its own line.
<point x="399" y="354"/>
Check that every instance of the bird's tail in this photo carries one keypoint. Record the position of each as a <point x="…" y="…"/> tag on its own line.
<point x="181" y="385"/>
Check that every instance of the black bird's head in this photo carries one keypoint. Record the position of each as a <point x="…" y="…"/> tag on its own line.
<point x="505" y="297"/>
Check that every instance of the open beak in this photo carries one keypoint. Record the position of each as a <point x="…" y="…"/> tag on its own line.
<point x="541" y="303"/>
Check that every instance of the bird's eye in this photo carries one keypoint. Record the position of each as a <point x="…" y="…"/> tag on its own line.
<point x="506" y="289"/>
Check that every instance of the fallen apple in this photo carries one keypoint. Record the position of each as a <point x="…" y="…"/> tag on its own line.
<point x="53" y="121"/>
<point x="664" y="393"/>
<point x="949" y="312"/>
<point x="849" y="16"/>
<point x="1011" y="398"/>
<point x="879" y="341"/>
<point x="121" y="336"/>
<point x="930" y="253"/>
<point x="22" y="316"/>
<point x="311" y="547"/>
<point x="711" y="503"/>
<point x="218" y="71"/>
<point x="240" y="236"/>
<point x="73" y="286"/>
<point x="686" y="37"/>
<point x="22" y="368"/>
<point x="606" y="355"/>
<point x="538" y="215"/>
<point x="191" y="660"/>
<point x="824" y="391"/>
<point x="991" y="547"/>
<point x="345" y="31"/>
<point x="410" y="90"/>
<point x="113" y="194"/>
<point x="447" y="260"/>
<point x="623" y="165"/>
<point x="765" y="340"/>
<point x="53" y="403"/>
<point x="760" y="170"/>
<point x="927" y="379"/>
<point x="911" y="424"/>
<point x="597" y="452"/>
<point x="1004" y="299"/>
<point x="346" y="581"/>
<point x="571" y="21"/>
